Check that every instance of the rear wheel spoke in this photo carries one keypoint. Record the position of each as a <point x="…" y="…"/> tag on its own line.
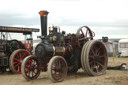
<point x="100" y="64"/>
<point x="16" y="59"/>
<point x="17" y="65"/>
<point x="23" y="55"/>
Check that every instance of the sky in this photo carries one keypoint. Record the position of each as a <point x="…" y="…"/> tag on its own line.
<point x="104" y="17"/>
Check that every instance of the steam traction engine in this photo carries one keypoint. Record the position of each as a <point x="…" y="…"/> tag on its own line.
<point x="58" y="53"/>
<point x="12" y="51"/>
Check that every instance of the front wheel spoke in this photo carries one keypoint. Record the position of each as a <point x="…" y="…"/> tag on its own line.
<point x="56" y="67"/>
<point x="60" y="64"/>
<point x="34" y="72"/>
<point x="60" y="75"/>
<point x="56" y="76"/>
<point x="54" y="72"/>
<point x="57" y="64"/>
<point x="35" y="67"/>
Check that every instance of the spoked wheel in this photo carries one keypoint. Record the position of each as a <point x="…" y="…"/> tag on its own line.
<point x="83" y="35"/>
<point x="94" y="58"/>
<point x="16" y="60"/>
<point x="57" y="69"/>
<point x="30" y="68"/>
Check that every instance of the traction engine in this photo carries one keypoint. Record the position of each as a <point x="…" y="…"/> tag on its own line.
<point x="59" y="54"/>
<point x="13" y="51"/>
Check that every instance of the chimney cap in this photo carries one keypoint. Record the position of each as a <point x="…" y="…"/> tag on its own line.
<point x="43" y="13"/>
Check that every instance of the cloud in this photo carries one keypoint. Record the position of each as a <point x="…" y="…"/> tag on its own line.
<point x="108" y="17"/>
<point x="8" y="19"/>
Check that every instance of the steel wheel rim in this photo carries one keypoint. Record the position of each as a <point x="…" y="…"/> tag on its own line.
<point x="84" y="58"/>
<point x="58" y="69"/>
<point x="97" y="58"/>
<point x="18" y="59"/>
<point x="31" y="68"/>
<point x="87" y="61"/>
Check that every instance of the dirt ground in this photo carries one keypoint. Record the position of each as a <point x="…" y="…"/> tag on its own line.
<point x="112" y="77"/>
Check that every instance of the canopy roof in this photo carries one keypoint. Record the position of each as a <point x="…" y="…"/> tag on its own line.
<point x="18" y="29"/>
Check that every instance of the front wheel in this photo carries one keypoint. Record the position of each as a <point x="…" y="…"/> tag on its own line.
<point x="30" y="68"/>
<point x="57" y="69"/>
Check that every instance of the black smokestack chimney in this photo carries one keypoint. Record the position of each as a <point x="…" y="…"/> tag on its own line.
<point x="43" y="16"/>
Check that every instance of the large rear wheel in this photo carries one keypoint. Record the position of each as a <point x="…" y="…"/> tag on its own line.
<point x="16" y="60"/>
<point x="94" y="58"/>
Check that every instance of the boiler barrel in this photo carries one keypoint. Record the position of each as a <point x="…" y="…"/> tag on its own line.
<point x="47" y="50"/>
<point x="44" y="50"/>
